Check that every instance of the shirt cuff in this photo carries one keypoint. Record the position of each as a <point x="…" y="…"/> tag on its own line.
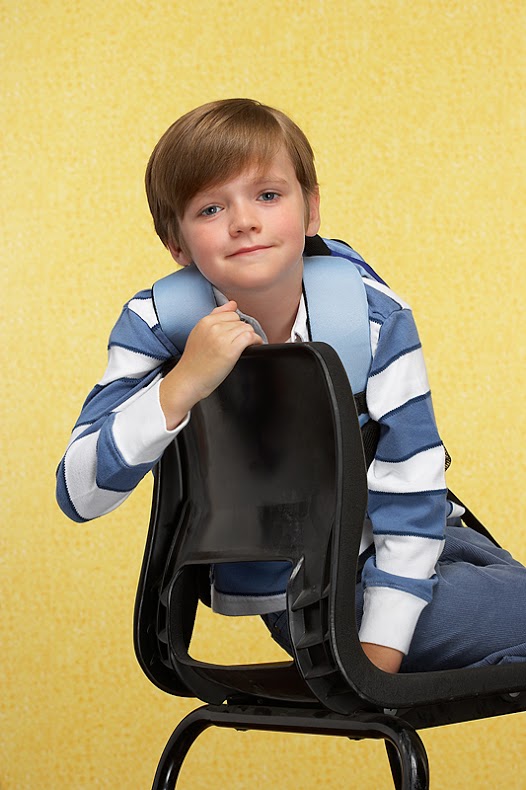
<point x="390" y="617"/>
<point x="140" y="430"/>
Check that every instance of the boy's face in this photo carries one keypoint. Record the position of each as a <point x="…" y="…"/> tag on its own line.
<point x="248" y="233"/>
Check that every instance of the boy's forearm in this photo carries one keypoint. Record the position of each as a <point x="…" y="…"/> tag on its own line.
<point x="177" y="397"/>
<point x="121" y="430"/>
<point x="106" y="461"/>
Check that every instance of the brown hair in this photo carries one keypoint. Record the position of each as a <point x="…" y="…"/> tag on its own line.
<point x="216" y="142"/>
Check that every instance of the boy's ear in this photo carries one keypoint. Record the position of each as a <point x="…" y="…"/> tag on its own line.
<point x="179" y="255"/>
<point x="314" y="221"/>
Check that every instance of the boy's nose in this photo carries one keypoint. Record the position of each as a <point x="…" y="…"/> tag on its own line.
<point x="244" y="219"/>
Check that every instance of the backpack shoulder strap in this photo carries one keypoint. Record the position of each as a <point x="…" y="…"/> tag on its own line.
<point x="338" y="313"/>
<point x="344" y="250"/>
<point x="181" y="299"/>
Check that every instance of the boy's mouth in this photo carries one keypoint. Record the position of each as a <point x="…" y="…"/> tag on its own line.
<point x="249" y="250"/>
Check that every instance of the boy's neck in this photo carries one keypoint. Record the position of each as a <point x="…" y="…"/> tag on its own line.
<point x="276" y="312"/>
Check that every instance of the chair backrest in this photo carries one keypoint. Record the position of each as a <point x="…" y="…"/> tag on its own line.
<point x="269" y="468"/>
<point x="256" y="475"/>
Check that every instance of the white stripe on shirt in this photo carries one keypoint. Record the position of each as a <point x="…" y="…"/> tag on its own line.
<point x="404" y="379"/>
<point x="144" y="309"/>
<point x="80" y="471"/>
<point x="129" y="364"/>
<point x="412" y="556"/>
<point x="422" y="472"/>
<point x="151" y="436"/>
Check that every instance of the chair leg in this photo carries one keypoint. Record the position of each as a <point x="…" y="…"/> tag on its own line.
<point x="177" y="748"/>
<point x="408" y="762"/>
<point x="394" y="764"/>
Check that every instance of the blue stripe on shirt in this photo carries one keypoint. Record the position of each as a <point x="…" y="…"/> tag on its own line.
<point x="113" y="473"/>
<point x="102" y="400"/>
<point x="408" y="430"/>
<point x="374" y="577"/>
<point x="399" y="337"/>
<point x="420" y="514"/>
<point x="132" y="332"/>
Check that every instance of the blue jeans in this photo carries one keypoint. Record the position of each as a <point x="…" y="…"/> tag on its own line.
<point x="477" y="616"/>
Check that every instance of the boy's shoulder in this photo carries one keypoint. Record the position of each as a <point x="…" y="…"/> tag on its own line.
<point x="382" y="300"/>
<point x="138" y="328"/>
<point x="141" y="304"/>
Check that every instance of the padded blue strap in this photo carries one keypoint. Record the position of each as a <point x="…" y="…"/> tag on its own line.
<point x="338" y="313"/>
<point x="181" y="299"/>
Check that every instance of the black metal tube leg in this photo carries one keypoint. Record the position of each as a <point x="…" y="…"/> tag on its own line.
<point x="394" y="763"/>
<point x="177" y="748"/>
<point x="408" y="761"/>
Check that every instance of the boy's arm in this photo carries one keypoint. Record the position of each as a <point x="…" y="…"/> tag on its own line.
<point x="122" y="430"/>
<point x="407" y="492"/>
<point x="386" y="658"/>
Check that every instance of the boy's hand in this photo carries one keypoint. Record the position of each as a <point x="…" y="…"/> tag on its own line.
<point x="213" y="347"/>
<point x="386" y="658"/>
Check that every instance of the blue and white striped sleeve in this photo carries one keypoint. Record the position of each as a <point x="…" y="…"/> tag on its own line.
<point x="406" y="480"/>
<point x="121" y="431"/>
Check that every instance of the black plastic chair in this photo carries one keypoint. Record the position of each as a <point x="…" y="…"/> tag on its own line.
<point x="271" y="467"/>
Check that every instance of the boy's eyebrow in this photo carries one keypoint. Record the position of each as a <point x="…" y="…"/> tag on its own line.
<point x="270" y="177"/>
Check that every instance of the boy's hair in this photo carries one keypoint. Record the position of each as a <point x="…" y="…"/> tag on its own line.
<point x="212" y="144"/>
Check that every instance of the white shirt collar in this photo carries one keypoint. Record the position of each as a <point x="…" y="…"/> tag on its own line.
<point x="300" y="331"/>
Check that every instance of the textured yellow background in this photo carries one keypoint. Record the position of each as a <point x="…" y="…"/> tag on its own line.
<point x="416" y="111"/>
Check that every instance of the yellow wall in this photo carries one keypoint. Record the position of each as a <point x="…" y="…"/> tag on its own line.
<point x="416" y="112"/>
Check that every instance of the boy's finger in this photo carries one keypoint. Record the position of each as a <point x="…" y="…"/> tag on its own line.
<point x="247" y="334"/>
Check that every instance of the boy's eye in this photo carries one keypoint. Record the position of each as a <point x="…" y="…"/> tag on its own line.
<point x="210" y="211"/>
<point x="268" y="196"/>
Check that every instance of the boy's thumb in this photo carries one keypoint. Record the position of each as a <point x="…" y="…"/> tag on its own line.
<point x="229" y="307"/>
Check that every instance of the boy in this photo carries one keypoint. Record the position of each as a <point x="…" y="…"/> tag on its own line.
<point x="232" y="189"/>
